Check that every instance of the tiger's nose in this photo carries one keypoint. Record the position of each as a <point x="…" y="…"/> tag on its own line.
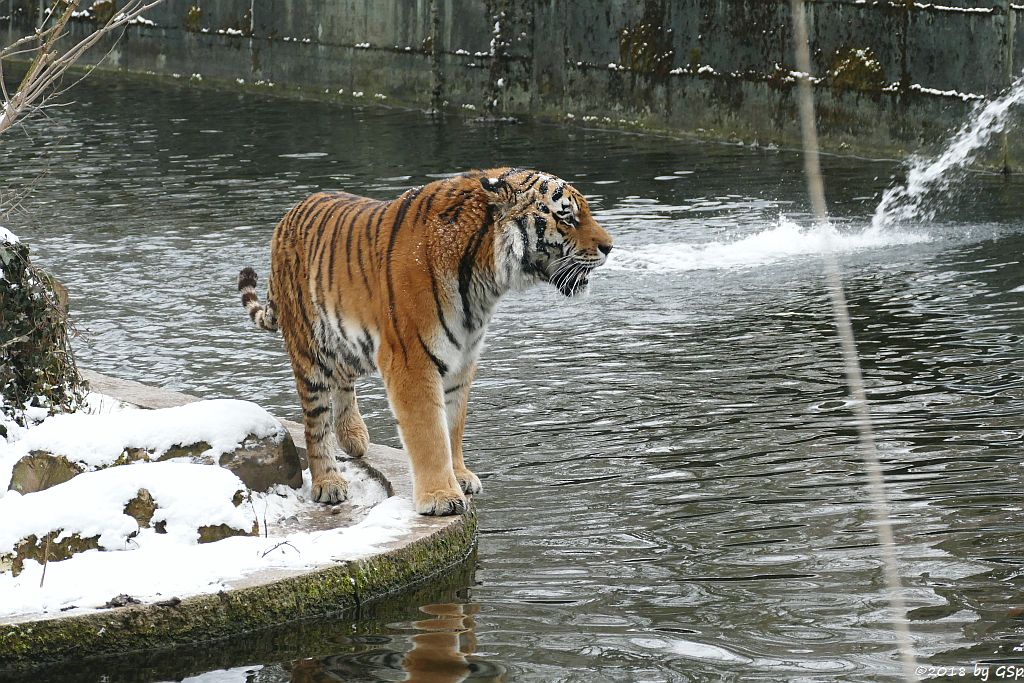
<point x="605" y="248"/>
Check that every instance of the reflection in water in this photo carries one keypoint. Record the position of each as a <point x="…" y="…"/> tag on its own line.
<point x="672" y="488"/>
<point x="442" y="649"/>
<point x="440" y="654"/>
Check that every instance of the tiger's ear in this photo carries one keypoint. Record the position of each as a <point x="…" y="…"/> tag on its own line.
<point x="499" y="189"/>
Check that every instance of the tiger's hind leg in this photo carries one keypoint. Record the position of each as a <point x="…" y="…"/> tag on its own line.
<point x="310" y="367"/>
<point x="349" y="427"/>
<point x="314" y="394"/>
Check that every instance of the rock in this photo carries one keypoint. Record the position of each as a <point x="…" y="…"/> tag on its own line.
<point x="38" y="549"/>
<point x="263" y="463"/>
<point x="122" y="600"/>
<point x="259" y="463"/>
<point x="218" y="532"/>
<point x="142" y="507"/>
<point x="40" y="470"/>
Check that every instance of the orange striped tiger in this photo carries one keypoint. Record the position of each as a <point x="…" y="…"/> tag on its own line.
<point x="408" y="287"/>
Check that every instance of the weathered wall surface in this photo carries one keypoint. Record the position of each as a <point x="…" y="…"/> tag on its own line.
<point x="894" y="73"/>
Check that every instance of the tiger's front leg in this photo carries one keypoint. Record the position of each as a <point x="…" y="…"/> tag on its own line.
<point x="456" y="401"/>
<point x="417" y="400"/>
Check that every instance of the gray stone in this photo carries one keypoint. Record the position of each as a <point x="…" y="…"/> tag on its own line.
<point x="46" y="549"/>
<point x="259" y="463"/>
<point x="142" y="507"/>
<point x="262" y="463"/>
<point x="40" y="470"/>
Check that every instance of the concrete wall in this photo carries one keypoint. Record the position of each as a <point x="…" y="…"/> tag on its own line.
<point x="896" y="73"/>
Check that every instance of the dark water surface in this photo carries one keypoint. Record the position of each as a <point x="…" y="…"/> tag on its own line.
<point x="672" y="485"/>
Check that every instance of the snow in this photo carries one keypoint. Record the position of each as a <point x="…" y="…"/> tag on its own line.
<point x="151" y="566"/>
<point x="8" y="236"/>
<point x="965" y="96"/>
<point x="160" y="566"/>
<point x="947" y="8"/>
<point x="188" y="496"/>
<point x="99" y="440"/>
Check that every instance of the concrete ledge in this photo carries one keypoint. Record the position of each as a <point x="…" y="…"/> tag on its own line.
<point x="432" y="547"/>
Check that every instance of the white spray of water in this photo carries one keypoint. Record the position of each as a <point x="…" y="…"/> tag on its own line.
<point x="779" y="242"/>
<point x="928" y="176"/>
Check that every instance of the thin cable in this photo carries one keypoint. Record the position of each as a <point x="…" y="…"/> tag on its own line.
<point x="851" y="361"/>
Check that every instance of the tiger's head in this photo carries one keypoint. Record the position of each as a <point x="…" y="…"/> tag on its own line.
<point x="547" y="232"/>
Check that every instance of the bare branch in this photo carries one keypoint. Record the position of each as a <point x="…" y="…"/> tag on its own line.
<point x="50" y="62"/>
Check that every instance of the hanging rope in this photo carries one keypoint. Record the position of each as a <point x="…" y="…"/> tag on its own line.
<point x="851" y="361"/>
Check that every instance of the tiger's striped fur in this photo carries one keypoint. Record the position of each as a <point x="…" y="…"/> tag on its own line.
<point x="408" y="287"/>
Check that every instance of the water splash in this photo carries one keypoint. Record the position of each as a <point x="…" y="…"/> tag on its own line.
<point x="781" y="241"/>
<point x="928" y="176"/>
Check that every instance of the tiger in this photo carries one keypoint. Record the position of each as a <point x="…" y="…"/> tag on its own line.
<point x="407" y="287"/>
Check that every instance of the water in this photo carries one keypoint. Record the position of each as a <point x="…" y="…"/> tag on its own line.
<point x="929" y="181"/>
<point x="672" y="486"/>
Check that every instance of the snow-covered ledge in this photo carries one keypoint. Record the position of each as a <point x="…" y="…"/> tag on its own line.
<point x="402" y="549"/>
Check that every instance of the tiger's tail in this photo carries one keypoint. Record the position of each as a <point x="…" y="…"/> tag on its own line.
<point x="264" y="317"/>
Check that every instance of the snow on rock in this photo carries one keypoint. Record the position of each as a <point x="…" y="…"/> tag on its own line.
<point x="99" y="440"/>
<point x="8" y="236"/>
<point x="165" y="559"/>
<point x="161" y="566"/>
<point x="92" y="504"/>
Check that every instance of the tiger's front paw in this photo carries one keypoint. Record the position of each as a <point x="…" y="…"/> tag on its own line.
<point x="330" y="488"/>
<point x="469" y="482"/>
<point x="441" y="503"/>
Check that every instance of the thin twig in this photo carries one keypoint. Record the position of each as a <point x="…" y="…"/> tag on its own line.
<point x="851" y="361"/>
<point x="270" y="550"/>
<point x="46" y="557"/>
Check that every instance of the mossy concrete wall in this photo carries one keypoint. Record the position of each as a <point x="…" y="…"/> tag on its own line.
<point x="895" y="73"/>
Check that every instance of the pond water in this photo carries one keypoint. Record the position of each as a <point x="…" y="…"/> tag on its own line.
<point x="672" y="489"/>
